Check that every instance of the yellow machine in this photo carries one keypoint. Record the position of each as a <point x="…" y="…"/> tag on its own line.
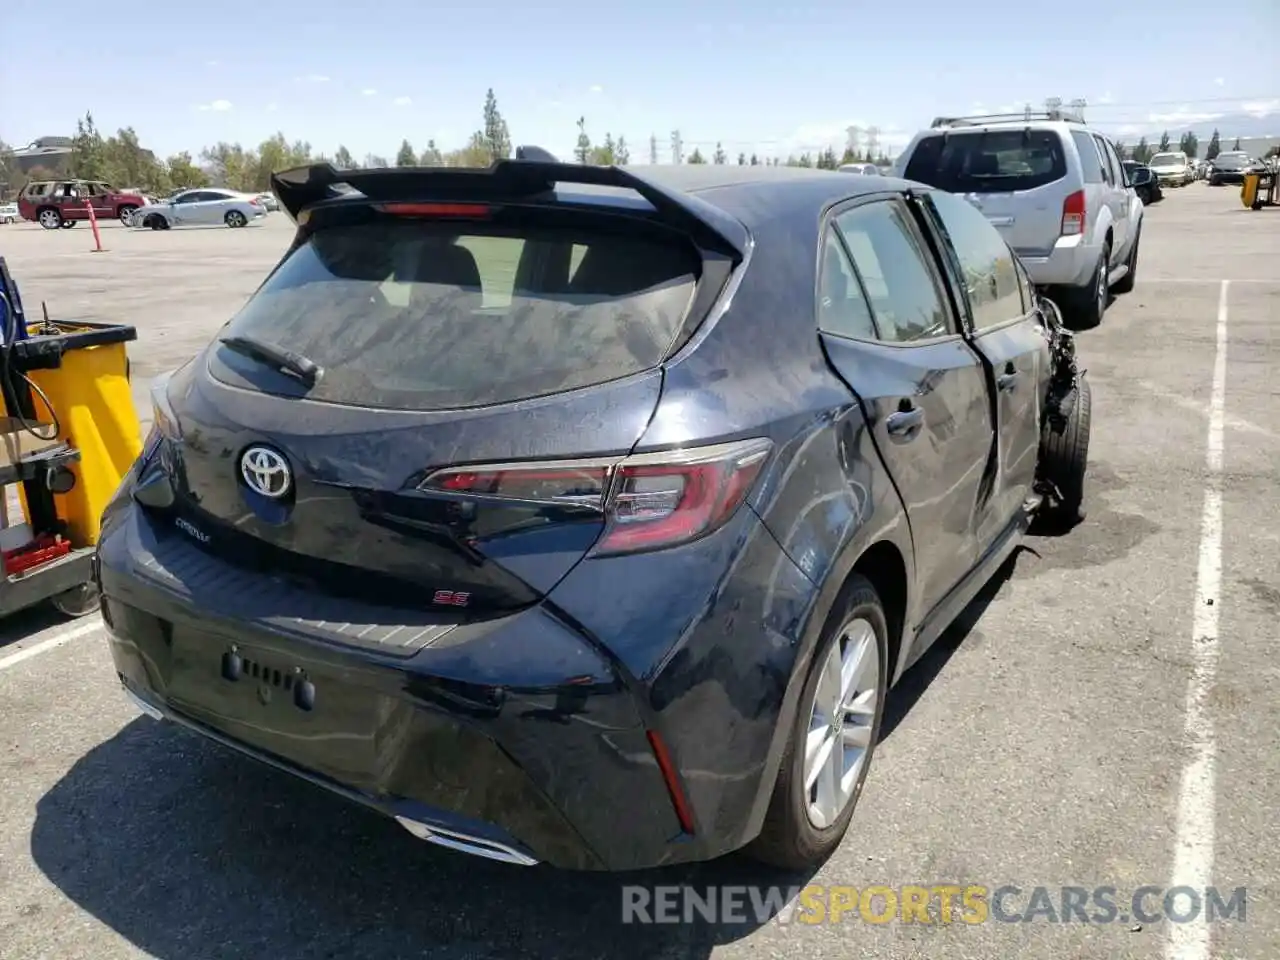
<point x="1259" y="189"/>
<point x="68" y="436"/>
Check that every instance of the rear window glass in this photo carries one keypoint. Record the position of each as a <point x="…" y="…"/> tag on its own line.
<point x="992" y="161"/>
<point x="1168" y="159"/>
<point x="408" y="315"/>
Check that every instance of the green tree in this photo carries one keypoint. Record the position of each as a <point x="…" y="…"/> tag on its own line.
<point x="849" y="156"/>
<point x="742" y="159"/>
<point x="431" y="157"/>
<point x="474" y="154"/>
<point x="696" y="157"/>
<point x="230" y="165"/>
<point x="719" y="156"/>
<point x="805" y="160"/>
<point x="497" y="138"/>
<point x="755" y="160"/>
<point x="1122" y="150"/>
<point x="88" y="151"/>
<point x="342" y="158"/>
<point x="791" y="161"/>
<point x="1142" y="152"/>
<point x="1215" y="146"/>
<point x="583" y="150"/>
<point x="1164" y="142"/>
<point x="374" y="161"/>
<point x="128" y="164"/>
<point x="1191" y="144"/>
<point x="405" y="156"/>
<point x="606" y="154"/>
<point x="183" y="172"/>
<point x="827" y="159"/>
<point x="1237" y="144"/>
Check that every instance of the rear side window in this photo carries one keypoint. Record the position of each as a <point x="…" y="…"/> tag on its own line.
<point x="893" y="265"/>
<point x="1090" y="161"/>
<point x="405" y="314"/>
<point x="842" y="308"/>
<point x="991" y="161"/>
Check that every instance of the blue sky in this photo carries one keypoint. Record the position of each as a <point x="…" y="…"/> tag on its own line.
<point x="772" y="78"/>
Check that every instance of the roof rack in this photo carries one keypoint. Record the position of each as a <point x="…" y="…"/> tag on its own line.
<point x="979" y="119"/>
<point x="534" y="173"/>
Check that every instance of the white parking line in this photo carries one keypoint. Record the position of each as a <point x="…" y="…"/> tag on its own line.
<point x="49" y="643"/>
<point x="1193" y="857"/>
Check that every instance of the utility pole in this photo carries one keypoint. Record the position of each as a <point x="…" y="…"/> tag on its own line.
<point x="653" y="149"/>
<point x="873" y="143"/>
<point x="853" y="140"/>
<point x="677" y="147"/>
<point x="1077" y="106"/>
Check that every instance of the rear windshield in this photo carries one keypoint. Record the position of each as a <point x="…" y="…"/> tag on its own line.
<point x="409" y="315"/>
<point x="1231" y="159"/>
<point x="994" y="161"/>
<point x="1168" y="159"/>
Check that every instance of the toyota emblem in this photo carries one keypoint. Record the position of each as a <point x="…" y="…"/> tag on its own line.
<point x="266" y="472"/>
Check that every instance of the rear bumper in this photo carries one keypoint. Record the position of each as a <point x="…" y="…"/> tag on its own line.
<point x="1070" y="263"/>
<point x="520" y="734"/>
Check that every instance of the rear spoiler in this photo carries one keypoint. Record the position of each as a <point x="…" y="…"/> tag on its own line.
<point x="535" y="173"/>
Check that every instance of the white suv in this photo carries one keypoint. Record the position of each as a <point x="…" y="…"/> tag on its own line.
<point x="1055" y="189"/>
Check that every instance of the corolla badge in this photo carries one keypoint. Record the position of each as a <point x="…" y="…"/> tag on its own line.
<point x="266" y="472"/>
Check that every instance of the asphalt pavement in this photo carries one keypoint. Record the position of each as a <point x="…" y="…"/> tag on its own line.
<point x="1044" y="744"/>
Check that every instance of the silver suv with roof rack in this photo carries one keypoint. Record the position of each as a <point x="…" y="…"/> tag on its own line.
<point x="1056" y="190"/>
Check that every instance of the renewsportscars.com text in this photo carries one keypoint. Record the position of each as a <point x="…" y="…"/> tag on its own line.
<point x="938" y="903"/>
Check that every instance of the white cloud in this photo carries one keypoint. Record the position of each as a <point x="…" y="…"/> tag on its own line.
<point x="1106" y="98"/>
<point x="313" y="78"/>
<point x="1220" y="81"/>
<point x="596" y="88"/>
<point x="272" y="107"/>
<point x="1183" y="116"/>
<point x="1261" y="108"/>
<point x="211" y="63"/>
<point x="1128" y="129"/>
<point x="218" y="106"/>
<point x="369" y="92"/>
<point x="402" y="101"/>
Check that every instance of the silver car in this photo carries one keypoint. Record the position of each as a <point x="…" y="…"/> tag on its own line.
<point x="201" y="207"/>
<point x="1055" y="189"/>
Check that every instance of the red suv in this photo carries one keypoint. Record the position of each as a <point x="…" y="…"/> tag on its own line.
<point x="63" y="203"/>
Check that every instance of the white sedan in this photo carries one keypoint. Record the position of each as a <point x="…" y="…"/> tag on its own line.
<point x="203" y="208"/>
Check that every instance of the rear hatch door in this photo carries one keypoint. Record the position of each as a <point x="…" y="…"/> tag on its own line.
<point x="1013" y="175"/>
<point x="423" y="403"/>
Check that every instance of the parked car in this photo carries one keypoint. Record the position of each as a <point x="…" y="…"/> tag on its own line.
<point x="9" y="212"/>
<point x="269" y="202"/>
<point x="1054" y="188"/>
<point x="522" y="505"/>
<point x="1144" y="181"/>
<point x="866" y="169"/>
<point x="204" y="207"/>
<point x="64" y="203"/>
<point x="1171" y="168"/>
<point x="1230" y="167"/>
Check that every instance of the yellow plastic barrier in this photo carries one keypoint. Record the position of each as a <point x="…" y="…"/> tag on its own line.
<point x="90" y="394"/>
<point x="1249" y="189"/>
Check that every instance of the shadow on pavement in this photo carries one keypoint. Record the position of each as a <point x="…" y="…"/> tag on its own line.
<point x="190" y="852"/>
<point x="23" y="623"/>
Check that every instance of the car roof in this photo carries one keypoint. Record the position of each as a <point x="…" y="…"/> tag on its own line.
<point x="758" y="194"/>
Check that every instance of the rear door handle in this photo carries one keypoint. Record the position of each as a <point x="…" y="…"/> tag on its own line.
<point x="905" y="423"/>
<point x="1007" y="381"/>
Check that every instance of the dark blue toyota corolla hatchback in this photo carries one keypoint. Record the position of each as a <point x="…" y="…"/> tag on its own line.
<point x="583" y="516"/>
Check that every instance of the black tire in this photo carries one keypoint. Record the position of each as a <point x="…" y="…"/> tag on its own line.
<point x="49" y="217"/>
<point x="155" y="222"/>
<point x="788" y="839"/>
<point x="235" y="218"/>
<point x="125" y="214"/>
<point x="68" y="224"/>
<point x="1089" y="304"/>
<point x="1064" y="454"/>
<point x="1125" y="283"/>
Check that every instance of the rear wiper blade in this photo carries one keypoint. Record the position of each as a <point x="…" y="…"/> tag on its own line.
<point x="286" y="361"/>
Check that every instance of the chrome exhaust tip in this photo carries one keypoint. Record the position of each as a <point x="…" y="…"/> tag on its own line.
<point x="462" y="843"/>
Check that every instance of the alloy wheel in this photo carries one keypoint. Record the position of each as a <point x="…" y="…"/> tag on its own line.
<point x="841" y="719"/>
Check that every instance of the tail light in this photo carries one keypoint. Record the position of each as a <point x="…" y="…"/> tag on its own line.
<point x="1073" y="214"/>
<point x="649" y="501"/>
<point x="463" y="211"/>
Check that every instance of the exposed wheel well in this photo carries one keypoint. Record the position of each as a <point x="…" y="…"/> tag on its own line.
<point x="882" y="564"/>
